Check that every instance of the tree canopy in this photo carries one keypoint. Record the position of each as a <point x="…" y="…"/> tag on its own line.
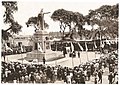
<point x="15" y="27"/>
<point x="70" y="19"/>
<point x="106" y="17"/>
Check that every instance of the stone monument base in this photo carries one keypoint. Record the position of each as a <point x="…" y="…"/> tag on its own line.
<point x="49" y="55"/>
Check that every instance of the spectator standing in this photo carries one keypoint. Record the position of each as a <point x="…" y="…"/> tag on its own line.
<point x="26" y="78"/>
<point x="95" y="81"/>
<point x="78" y="54"/>
<point x="44" y="60"/>
<point x="88" y="73"/>
<point x="100" y="72"/>
<point x="110" y="78"/>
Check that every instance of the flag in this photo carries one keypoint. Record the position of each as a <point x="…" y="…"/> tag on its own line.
<point x="95" y="45"/>
<point x="7" y="48"/>
<point x="21" y="48"/>
<point x="80" y="46"/>
<point x="39" y="47"/>
<point x="72" y="47"/>
<point x="86" y="46"/>
<point x="102" y="44"/>
<point x="107" y="42"/>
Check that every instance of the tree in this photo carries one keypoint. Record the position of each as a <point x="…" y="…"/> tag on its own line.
<point x="33" y="21"/>
<point x="10" y="8"/>
<point x="106" y="17"/>
<point x="68" y="19"/>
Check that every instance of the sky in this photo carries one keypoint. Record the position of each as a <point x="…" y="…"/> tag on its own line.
<point x="31" y="8"/>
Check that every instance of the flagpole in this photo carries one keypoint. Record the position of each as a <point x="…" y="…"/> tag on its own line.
<point x="5" y="54"/>
<point x="95" y="54"/>
<point x="86" y="50"/>
<point x="79" y="52"/>
<point x="56" y="46"/>
<point x="56" y="61"/>
<point x="100" y="42"/>
<point x="21" y="53"/>
<point x="72" y="61"/>
<point x="72" y="49"/>
<point x="95" y="48"/>
<point x="87" y="56"/>
<point x="80" y="60"/>
<point x="79" y="57"/>
<point x="37" y="49"/>
<point x="22" y="58"/>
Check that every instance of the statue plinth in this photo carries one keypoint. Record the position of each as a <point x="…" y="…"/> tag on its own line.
<point x="45" y="47"/>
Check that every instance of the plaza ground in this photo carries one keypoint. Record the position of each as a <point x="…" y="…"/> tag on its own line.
<point x="67" y="61"/>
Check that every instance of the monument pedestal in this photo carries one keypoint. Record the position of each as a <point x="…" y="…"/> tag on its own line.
<point x="49" y="55"/>
<point x="41" y="48"/>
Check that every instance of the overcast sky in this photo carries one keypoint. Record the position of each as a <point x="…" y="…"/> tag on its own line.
<point x="27" y="9"/>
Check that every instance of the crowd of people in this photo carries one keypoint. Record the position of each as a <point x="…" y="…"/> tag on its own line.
<point x="15" y="72"/>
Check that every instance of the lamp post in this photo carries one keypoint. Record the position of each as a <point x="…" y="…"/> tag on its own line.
<point x="79" y="57"/>
<point x="86" y="51"/>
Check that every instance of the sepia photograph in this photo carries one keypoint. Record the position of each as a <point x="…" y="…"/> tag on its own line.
<point x="59" y="42"/>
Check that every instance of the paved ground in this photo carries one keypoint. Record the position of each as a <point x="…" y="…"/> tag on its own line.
<point x="67" y="61"/>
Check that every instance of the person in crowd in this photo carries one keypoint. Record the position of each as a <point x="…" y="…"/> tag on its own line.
<point x="4" y="54"/>
<point x="74" y="54"/>
<point x="100" y="73"/>
<point x="92" y="68"/>
<point x="37" y="78"/>
<point x="110" y="77"/>
<point x="95" y="81"/>
<point x="82" y="79"/>
<point x="78" y="54"/>
<point x="26" y="78"/>
<point x="64" y="51"/>
<point x="44" y="60"/>
<point x="88" y="73"/>
<point x="68" y="79"/>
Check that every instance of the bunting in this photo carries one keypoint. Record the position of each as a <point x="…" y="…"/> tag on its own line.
<point x="21" y="48"/>
<point x="72" y="47"/>
<point x="86" y="46"/>
<point x="95" y="44"/>
<point x="80" y="46"/>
